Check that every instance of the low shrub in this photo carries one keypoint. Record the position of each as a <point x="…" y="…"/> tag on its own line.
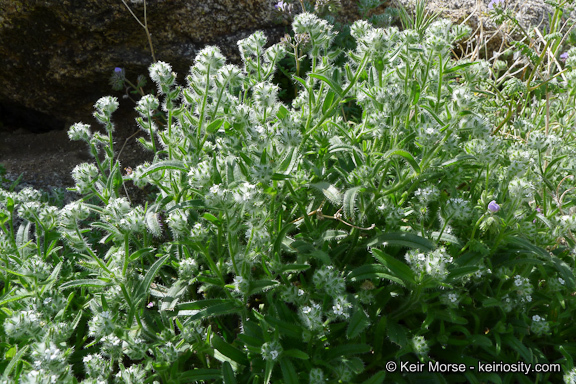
<point x="289" y="243"/>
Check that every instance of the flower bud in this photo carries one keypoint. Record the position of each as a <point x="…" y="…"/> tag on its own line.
<point x="493" y="206"/>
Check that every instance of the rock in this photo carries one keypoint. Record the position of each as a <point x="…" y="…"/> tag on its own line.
<point x="57" y="56"/>
<point x="530" y="14"/>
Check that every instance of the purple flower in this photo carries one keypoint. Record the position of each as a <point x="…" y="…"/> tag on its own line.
<point x="495" y="3"/>
<point x="539" y="210"/>
<point x="493" y="206"/>
<point x="281" y="6"/>
<point x="564" y="56"/>
<point x="117" y="69"/>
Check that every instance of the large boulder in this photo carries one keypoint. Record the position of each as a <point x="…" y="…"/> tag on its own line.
<point x="57" y="56"/>
<point x="475" y="13"/>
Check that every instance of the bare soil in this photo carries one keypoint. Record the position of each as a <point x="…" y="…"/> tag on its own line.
<point x="45" y="160"/>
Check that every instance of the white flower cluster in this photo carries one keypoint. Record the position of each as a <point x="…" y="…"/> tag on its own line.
<point x="570" y="377"/>
<point x="319" y="31"/>
<point x="427" y="195"/>
<point x="187" y="269"/>
<point x="295" y="295"/>
<point x="133" y="374"/>
<point x="311" y="317"/>
<point x="420" y="346"/>
<point x="539" y="326"/>
<point x="95" y="365"/>
<point x="271" y="351"/>
<point x="520" y="295"/>
<point x="458" y="209"/>
<point x="521" y="189"/>
<point x="85" y="175"/>
<point x="327" y="279"/>
<point x="105" y="106"/>
<point x="341" y="308"/>
<point x="147" y="105"/>
<point x="316" y="376"/>
<point x="23" y="324"/>
<point x="451" y="299"/>
<point x="161" y="73"/>
<point x="80" y="131"/>
<point x="434" y="264"/>
<point x="241" y="285"/>
<point x="101" y="324"/>
<point x="49" y="357"/>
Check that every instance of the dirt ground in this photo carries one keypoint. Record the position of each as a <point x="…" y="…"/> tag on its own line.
<point x="45" y="160"/>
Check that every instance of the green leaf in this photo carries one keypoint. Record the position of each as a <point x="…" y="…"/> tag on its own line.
<point x="396" y="267"/>
<point x="13" y="362"/>
<point x="84" y="283"/>
<point x="458" y="67"/>
<point x="229" y="351"/>
<point x="406" y="155"/>
<point x="373" y="271"/>
<point x="10" y="203"/>
<point x="434" y="115"/>
<point x="261" y="285"/>
<point x="213" y="219"/>
<point x="166" y="164"/>
<point x="200" y="374"/>
<point x="347" y="350"/>
<point x="141" y="291"/>
<point x="286" y="329"/>
<point x="358" y="323"/>
<point x="8" y="299"/>
<point x="268" y="371"/>
<point x="289" y="161"/>
<point x="457" y="160"/>
<point x="282" y="112"/>
<point x="280" y="238"/>
<point x="334" y="235"/>
<point x="328" y="101"/>
<point x="565" y="271"/>
<point x="397" y="334"/>
<point x="349" y="200"/>
<point x="228" y="373"/>
<point x="446" y="237"/>
<point x="330" y="191"/>
<point x="293" y="268"/>
<point x="402" y="239"/>
<point x="201" y="304"/>
<point x="517" y="346"/>
<point x="214" y="126"/>
<point x="376" y="379"/>
<point x="281" y="176"/>
<point x="288" y="372"/>
<point x="296" y="354"/>
<point x="23" y="235"/>
<point x="136" y="255"/>
<point x="213" y="310"/>
<point x="53" y="278"/>
<point x="458" y="273"/>
<point x="335" y="87"/>
<point x="416" y="90"/>
<point x="114" y="181"/>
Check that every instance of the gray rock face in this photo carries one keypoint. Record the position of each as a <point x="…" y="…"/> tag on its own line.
<point x="56" y="57"/>
<point x="529" y="13"/>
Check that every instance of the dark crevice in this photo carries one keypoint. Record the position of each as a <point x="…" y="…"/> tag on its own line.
<point x="14" y="117"/>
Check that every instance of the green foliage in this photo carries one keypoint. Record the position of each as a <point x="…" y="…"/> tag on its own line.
<point x="295" y="242"/>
